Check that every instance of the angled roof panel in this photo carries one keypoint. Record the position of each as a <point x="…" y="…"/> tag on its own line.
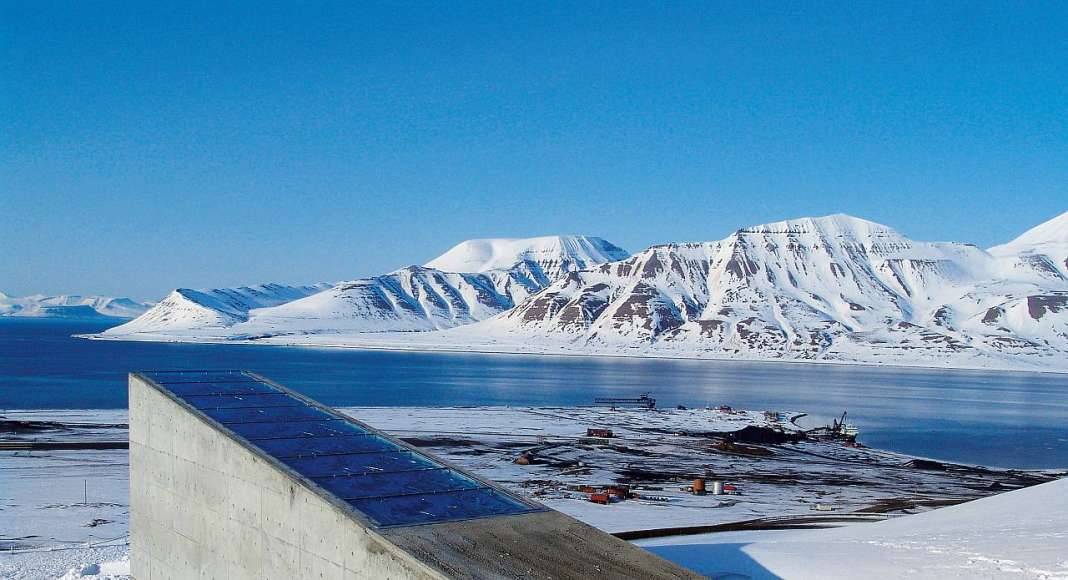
<point x="312" y="447"/>
<point x="243" y="400"/>
<point x="401" y="482"/>
<point x="391" y="461"/>
<point x="256" y="432"/>
<point x="388" y="482"/>
<point x="232" y="388"/>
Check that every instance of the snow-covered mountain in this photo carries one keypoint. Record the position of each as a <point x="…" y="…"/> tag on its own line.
<point x="1044" y="247"/>
<point x="70" y="306"/>
<point x="185" y="309"/>
<point x="553" y="256"/>
<point x="473" y="281"/>
<point x="502" y="274"/>
<point x="835" y="287"/>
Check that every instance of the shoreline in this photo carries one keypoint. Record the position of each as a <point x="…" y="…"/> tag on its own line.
<point x="781" y="482"/>
<point x="515" y="351"/>
<point x="792" y="420"/>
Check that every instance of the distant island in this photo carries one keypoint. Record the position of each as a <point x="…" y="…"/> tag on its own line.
<point x="71" y="307"/>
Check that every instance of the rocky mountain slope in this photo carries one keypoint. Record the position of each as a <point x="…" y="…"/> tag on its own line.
<point x="835" y="287"/>
<point x="417" y="298"/>
<point x="70" y="306"/>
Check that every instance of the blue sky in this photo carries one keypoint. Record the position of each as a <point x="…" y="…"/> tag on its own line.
<point x="145" y="147"/>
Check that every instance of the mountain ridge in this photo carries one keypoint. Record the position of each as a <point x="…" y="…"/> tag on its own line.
<point x="807" y="288"/>
<point x="832" y="288"/>
<point x="414" y="298"/>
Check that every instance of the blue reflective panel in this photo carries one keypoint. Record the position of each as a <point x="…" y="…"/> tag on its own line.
<point x="244" y="401"/>
<point x="358" y="463"/>
<point x="312" y="446"/>
<point x="403" y="483"/>
<point x="437" y="507"/>
<point x="171" y="377"/>
<point x="267" y="414"/>
<point x="331" y="428"/>
<point x="391" y="484"/>
<point x="185" y="390"/>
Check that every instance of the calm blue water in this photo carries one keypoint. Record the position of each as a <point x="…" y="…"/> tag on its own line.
<point x="987" y="418"/>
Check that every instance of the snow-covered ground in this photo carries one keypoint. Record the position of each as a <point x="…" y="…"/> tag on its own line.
<point x="1021" y="534"/>
<point x="97" y="562"/>
<point x="65" y="512"/>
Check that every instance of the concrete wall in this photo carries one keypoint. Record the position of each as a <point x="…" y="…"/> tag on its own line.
<point x="204" y="506"/>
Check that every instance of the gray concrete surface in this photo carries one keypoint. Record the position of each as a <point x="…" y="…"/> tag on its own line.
<point x="205" y="505"/>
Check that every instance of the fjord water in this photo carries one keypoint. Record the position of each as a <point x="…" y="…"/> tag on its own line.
<point x="980" y="417"/>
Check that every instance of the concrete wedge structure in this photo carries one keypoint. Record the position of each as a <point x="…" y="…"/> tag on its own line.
<point x="235" y="476"/>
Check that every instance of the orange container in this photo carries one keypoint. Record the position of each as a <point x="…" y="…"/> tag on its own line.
<point x="699" y="486"/>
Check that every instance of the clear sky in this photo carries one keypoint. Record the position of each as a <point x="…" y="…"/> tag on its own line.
<point x="144" y="147"/>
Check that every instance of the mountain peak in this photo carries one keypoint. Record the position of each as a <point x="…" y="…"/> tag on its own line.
<point x="1054" y="231"/>
<point x="1043" y="247"/>
<point x="488" y="254"/>
<point x="838" y="224"/>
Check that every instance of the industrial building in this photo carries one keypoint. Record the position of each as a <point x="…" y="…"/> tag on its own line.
<point x="234" y="476"/>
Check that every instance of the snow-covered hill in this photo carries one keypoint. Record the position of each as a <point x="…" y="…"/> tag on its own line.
<point x="411" y="299"/>
<point x="70" y="306"/>
<point x="185" y="309"/>
<point x="417" y="298"/>
<point x="835" y="287"/>
<point x="553" y="256"/>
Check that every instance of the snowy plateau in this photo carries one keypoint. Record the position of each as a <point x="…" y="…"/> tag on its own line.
<point x="827" y="289"/>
